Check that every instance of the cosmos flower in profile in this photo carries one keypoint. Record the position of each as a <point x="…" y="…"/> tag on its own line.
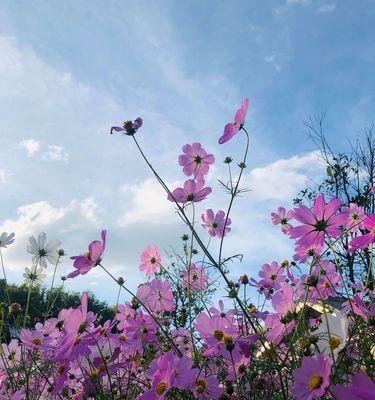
<point x="129" y="127"/>
<point x="232" y="128"/>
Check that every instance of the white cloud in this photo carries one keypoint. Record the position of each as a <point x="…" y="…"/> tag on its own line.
<point x="326" y="8"/>
<point x="271" y="59"/>
<point x="56" y="153"/>
<point x="283" y="179"/>
<point x="32" y="146"/>
<point x="3" y="176"/>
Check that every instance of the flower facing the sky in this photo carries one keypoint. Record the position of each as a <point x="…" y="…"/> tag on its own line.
<point x="43" y="251"/>
<point x="6" y="240"/>
<point x="193" y="191"/>
<point x="215" y="224"/>
<point x="195" y="160"/>
<point x="272" y="276"/>
<point x="365" y="240"/>
<point x="194" y="278"/>
<point x="129" y="127"/>
<point x="34" y="276"/>
<point x="312" y="378"/>
<point x="84" y="262"/>
<point x="281" y="217"/>
<point x="232" y="128"/>
<point x="323" y="220"/>
<point x="150" y="260"/>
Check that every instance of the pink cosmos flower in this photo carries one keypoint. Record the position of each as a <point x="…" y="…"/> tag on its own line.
<point x="365" y="240"/>
<point x="361" y="387"/>
<point x="195" y="278"/>
<point x="356" y="217"/>
<point x="317" y="223"/>
<point x="195" y="160"/>
<point x="303" y="253"/>
<point x="215" y="223"/>
<point x="151" y="259"/>
<point x="129" y="127"/>
<point x="272" y="275"/>
<point x="207" y="388"/>
<point x="193" y="191"/>
<point x="359" y="307"/>
<point x="312" y="378"/>
<point x="233" y="127"/>
<point x="84" y="262"/>
<point x="156" y="295"/>
<point x="282" y="217"/>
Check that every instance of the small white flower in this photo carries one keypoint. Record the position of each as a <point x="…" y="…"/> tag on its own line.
<point x="338" y="328"/>
<point x="5" y="239"/>
<point x="34" y="276"/>
<point x="42" y="251"/>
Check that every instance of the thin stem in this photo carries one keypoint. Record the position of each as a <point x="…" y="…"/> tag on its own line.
<point x="5" y="277"/>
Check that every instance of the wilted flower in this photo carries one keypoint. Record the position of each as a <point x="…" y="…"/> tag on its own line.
<point x="129" y="127"/>
<point x="6" y="240"/>
<point x="42" y="251"/>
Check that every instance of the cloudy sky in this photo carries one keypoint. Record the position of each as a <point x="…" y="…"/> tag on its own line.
<point x="69" y="70"/>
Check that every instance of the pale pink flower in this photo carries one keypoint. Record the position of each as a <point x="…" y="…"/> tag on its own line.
<point x="150" y="259"/>
<point x="195" y="160"/>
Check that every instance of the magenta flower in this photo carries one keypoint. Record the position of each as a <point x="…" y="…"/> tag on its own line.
<point x="215" y="224"/>
<point x="195" y="160"/>
<point x="312" y="378"/>
<point x="233" y="127"/>
<point x="359" y="307"/>
<point x="207" y="388"/>
<point x="318" y="223"/>
<point x="365" y="240"/>
<point x="361" y="387"/>
<point x="129" y="127"/>
<point x="194" y="278"/>
<point x="281" y="217"/>
<point x="303" y="253"/>
<point x="156" y="295"/>
<point x="193" y="191"/>
<point x="356" y="217"/>
<point x="150" y="258"/>
<point x="272" y="276"/>
<point x="84" y="262"/>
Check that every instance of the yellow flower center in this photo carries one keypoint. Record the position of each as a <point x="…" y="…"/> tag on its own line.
<point x="37" y="341"/>
<point x="160" y="388"/>
<point x="202" y="385"/>
<point x="334" y="342"/>
<point x="87" y="255"/>
<point x="373" y="231"/>
<point x="101" y="368"/>
<point x="122" y="337"/>
<point x="315" y="382"/>
<point x="218" y="334"/>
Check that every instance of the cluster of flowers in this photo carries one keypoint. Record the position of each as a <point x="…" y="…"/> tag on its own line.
<point x="310" y="336"/>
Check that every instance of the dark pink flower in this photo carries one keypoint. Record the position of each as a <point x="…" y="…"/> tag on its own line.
<point x="365" y="240"/>
<point x="361" y="387"/>
<point x="129" y="127"/>
<point x="317" y="223"/>
<point x="272" y="276"/>
<point x="312" y="378"/>
<point x="195" y="160"/>
<point x="150" y="259"/>
<point x="303" y="253"/>
<point x="215" y="224"/>
<point x="84" y="262"/>
<point x="233" y="127"/>
<point x="193" y="191"/>
<point x="356" y="217"/>
<point x="281" y="217"/>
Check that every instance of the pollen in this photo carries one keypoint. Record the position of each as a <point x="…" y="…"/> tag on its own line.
<point x="334" y="342"/>
<point x="315" y="382"/>
<point x="160" y="388"/>
<point x="202" y="385"/>
<point x="37" y="341"/>
<point x="218" y="334"/>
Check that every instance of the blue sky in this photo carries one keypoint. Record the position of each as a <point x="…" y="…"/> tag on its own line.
<point x="69" y="70"/>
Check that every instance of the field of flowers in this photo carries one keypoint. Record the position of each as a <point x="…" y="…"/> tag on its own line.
<point x="307" y="334"/>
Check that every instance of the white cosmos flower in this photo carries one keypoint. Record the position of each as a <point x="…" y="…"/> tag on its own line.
<point x="338" y="328"/>
<point x="42" y="251"/>
<point x="5" y="239"/>
<point x="34" y="276"/>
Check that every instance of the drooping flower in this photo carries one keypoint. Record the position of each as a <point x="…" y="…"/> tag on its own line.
<point x="84" y="262"/>
<point x="323" y="220"/>
<point x="232" y="128"/>
<point x="312" y="378"/>
<point x="194" y="278"/>
<point x="193" y="191"/>
<point x="195" y="160"/>
<point x="42" y="251"/>
<point x="6" y="240"/>
<point x="150" y="258"/>
<point x="281" y="217"/>
<point x="361" y="387"/>
<point x="129" y="127"/>
<point x="215" y="224"/>
<point x="365" y="240"/>
<point x="34" y="276"/>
